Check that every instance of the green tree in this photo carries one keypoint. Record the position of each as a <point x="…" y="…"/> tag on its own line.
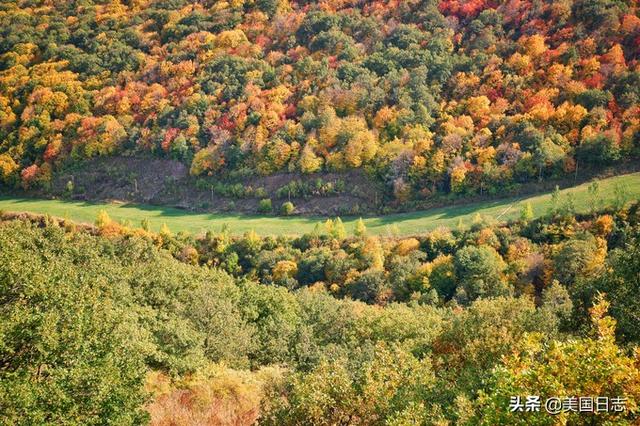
<point x="593" y="366"/>
<point x="71" y="348"/>
<point x="474" y="340"/>
<point x="620" y="196"/>
<point x="335" y="228"/>
<point x="214" y="311"/>
<point x="620" y="284"/>
<point x="102" y="219"/>
<point x="595" y="201"/>
<point x="274" y="313"/>
<point x="579" y="257"/>
<point x="360" y="228"/>
<point x="526" y="213"/>
<point x="599" y="149"/>
<point x="555" y="201"/>
<point x="375" y="388"/>
<point x="369" y="286"/>
<point x="556" y="301"/>
<point x="547" y="153"/>
<point x="480" y="273"/>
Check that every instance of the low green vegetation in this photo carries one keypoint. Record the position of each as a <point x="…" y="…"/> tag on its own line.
<point x="287" y="208"/>
<point x="582" y="199"/>
<point x="110" y="324"/>
<point x="265" y="206"/>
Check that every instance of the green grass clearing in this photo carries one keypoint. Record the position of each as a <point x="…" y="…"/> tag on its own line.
<point x="402" y="224"/>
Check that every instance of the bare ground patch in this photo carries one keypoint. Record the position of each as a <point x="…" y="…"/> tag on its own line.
<point x="167" y="182"/>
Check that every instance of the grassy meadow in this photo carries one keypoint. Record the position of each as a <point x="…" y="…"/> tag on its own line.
<point x="401" y="224"/>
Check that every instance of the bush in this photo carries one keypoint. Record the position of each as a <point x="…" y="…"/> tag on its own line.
<point x="287" y="208"/>
<point x="265" y="206"/>
<point x="260" y="192"/>
<point x="69" y="188"/>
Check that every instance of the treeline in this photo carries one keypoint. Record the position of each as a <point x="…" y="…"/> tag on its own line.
<point x="441" y="267"/>
<point x="110" y="324"/>
<point x="426" y="96"/>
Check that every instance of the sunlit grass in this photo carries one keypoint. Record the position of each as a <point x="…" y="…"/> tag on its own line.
<point x="402" y="224"/>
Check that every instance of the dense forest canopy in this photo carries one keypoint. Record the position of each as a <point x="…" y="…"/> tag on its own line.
<point x="460" y="96"/>
<point x="111" y="324"/>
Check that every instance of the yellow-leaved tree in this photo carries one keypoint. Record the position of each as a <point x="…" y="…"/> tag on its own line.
<point x="588" y="367"/>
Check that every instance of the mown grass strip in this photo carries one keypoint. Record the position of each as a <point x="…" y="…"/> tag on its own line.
<point x="402" y="224"/>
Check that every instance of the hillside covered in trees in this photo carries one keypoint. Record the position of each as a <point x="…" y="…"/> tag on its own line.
<point x="365" y="106"/>
<point x="111" y="324"/>
<point x="419" y="97"/>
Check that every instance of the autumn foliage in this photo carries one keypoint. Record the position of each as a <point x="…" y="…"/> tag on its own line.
<point x="460" y="96"/>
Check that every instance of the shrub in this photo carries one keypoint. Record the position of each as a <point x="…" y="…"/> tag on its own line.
<point x="102" y="219"/>
<point x="260" y="192"/>
<point x="69" y="188"/>
<point x="265" y="206"/>
<point x="287" y="208"/>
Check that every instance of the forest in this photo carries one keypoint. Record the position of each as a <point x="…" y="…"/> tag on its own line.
<point x="259" y="105"/>
<point x="423" y="97"/>
<point x="114" y="324"/>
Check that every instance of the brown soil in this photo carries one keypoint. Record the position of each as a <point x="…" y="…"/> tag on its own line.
<point x="167" y="182"/>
